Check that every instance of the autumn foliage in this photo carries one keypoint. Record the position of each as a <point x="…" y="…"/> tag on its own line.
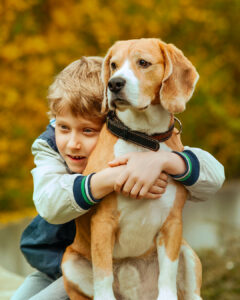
<point x="40" y="37"/>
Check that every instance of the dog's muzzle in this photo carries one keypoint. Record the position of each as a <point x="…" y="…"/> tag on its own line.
<point x="119" y="103"/>
<point x="116" y="84"/>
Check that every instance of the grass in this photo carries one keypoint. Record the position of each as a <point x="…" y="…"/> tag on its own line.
<point x="221" y="273"/>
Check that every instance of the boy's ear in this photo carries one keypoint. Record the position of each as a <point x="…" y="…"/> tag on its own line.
<point x="105" y="77"/>
<point x="179" y="79"/>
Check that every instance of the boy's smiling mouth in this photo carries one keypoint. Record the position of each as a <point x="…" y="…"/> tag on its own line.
<point x="76" y="157"/>
<point x="76" y="163"/>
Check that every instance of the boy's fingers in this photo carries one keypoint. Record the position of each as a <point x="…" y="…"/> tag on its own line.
<point x="157" y="190"/>
<point x="122" y="160"/>
<point x="153" y="196"/>
<point x="163" y="176"/>
<point x="120" y="182"/>
<point x="161" y="183"/>
<point x="135" y="190"/>
<point x="143" y="192"/>
<point x="127" y="187"/>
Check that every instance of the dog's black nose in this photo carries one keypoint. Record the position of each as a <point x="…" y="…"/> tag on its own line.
<point x="116" y="84"/>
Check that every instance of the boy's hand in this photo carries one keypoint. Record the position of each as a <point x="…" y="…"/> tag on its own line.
<point x="139" y="178"/>
<point x="158" y="188"/>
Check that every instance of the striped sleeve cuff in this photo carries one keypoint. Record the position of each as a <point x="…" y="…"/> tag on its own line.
<point x="190" y="176"/>
<point x="82" y="192"/>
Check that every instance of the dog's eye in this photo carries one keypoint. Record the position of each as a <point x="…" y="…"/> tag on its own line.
<point x="113" y="66"/>
<point x="143" y="63"/>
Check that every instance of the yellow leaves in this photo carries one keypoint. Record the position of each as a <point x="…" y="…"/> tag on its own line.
<point x="39" y="38"/>
<point x="60" y="17"/>
<point x="58" y="39"/>
<point x="34" y="45"/>
<point x="14" y="217"/>
<point x="185" y="2"/>
<point x="11" y="98"/>
<point x="198" y="15"/>
<point x="19" y="5"/>
<point x="144" y="4"/>
<point x="7" y="150"/>
<point x="91" y="6"/>
<point x="37" y="69"/>
<point x="24" y="46"/>
<point x="10" y="52"/>
<point x="4" y="159"/>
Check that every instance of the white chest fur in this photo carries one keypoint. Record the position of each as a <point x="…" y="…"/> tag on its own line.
<point x="140" y="220"/>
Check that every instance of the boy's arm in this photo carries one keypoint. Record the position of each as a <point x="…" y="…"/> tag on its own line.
<point x="211" y="175"/>
<point x="60" y="196"/>
<point x="199" y="171"/>
<point x="144" y="169"/>
<point x="53" y="185"/>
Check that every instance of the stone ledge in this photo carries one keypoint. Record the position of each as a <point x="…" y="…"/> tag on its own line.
<point x="9" y="282"/>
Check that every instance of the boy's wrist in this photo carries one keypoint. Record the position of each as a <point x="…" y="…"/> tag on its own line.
<point x="102" y="183"/>
<point x="174" y="164"/>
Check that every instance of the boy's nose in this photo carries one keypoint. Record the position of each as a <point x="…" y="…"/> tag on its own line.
<point x="74" y="143"/>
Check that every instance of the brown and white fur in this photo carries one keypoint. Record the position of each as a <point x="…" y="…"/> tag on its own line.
<point x="130" y="249"/>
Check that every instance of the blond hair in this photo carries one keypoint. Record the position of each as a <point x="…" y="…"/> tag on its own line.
<point x="79" y="88"/>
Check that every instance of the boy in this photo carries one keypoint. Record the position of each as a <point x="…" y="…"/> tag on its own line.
<point x="61" y="193"/>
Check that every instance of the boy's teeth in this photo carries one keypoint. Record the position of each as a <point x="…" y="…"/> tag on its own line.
<point x="76" y="157"/>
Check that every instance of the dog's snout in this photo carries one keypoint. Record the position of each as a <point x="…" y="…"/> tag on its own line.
<point x="116" y="84"/>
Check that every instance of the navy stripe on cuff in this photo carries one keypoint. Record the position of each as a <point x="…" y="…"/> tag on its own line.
<point x="77" y="192"/>
<point x="82" y="192"/>
<point x="190" y="176"/>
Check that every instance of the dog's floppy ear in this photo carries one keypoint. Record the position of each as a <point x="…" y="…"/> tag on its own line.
<point x="105" y="77"/>
<point x="179" y="79"/>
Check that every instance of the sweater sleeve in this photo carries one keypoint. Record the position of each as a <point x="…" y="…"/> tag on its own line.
<point x="204" y="175"/>
<point x="58" y="195"/>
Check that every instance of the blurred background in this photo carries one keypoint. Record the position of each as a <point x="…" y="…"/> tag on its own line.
<point x="38" y="38"/>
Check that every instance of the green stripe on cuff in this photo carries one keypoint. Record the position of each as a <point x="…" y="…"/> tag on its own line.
<point x="83" y="191"/>
<point x="190" y="167"/>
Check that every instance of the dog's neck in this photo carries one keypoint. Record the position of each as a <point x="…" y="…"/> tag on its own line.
<point x="152" y="120"/>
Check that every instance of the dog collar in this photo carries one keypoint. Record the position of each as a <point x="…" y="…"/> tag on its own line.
<point x="152" y="142"/>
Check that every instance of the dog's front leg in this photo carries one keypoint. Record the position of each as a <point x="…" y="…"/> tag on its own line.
<point x="169" y="242"/>
<point x="168" y="247"/>
<point x="103" y="228"/>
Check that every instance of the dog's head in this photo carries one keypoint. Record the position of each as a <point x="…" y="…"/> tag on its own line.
<point x="141" y="72"/>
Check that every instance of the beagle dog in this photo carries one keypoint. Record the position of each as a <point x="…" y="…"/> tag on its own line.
<point x="133" y="249"/>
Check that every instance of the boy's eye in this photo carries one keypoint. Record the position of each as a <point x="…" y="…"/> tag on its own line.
<point x="89" y="130"/>
<point x="63" y="127"/>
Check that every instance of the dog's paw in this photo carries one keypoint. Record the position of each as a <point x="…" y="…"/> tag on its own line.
<point x="166" y="294"/>
<point x="103" y="288"/>
<point x="104" y="297"/>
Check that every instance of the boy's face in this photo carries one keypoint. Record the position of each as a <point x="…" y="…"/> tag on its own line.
<point x="76" y="138"/>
